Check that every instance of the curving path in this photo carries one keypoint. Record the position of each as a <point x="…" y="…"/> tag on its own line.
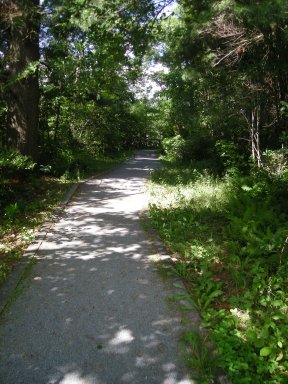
<point x="95" y="310"/>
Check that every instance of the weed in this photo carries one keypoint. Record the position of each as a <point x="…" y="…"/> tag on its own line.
<point x="33" y="198"/>
<point x="10" y="211"/>
<point x="229" y="236"/>
<point x="201" y="357"/>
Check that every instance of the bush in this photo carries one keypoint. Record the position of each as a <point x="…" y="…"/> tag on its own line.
<point x="195" y="148"/>
<point x="66" y="161"/>
<point x="198" y="148"/>
<point x="231" y="156"/>
<point x="174" y="148"/>
<point x="275" y="162"/>
<point x="12" y="161"/>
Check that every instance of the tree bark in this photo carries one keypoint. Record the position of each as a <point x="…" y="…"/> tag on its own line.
<point x="23" y="92"/>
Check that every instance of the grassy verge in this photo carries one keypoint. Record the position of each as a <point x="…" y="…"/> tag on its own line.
<point x="27" y="199"/>
<point x="31" y="200"/>
<point x="228" y="237"/>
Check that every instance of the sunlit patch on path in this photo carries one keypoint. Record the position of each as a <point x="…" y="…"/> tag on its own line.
<point x="95" y="311"/>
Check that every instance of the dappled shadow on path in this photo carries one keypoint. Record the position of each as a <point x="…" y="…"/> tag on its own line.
<point x="95" y="310"/>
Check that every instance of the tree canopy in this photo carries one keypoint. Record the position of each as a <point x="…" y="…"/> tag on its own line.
<point x="76" y="63"/>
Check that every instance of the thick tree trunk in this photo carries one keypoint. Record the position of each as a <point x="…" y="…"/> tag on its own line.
<point x="23" y="93"/>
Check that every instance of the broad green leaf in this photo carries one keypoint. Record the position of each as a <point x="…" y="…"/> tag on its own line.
<point x="265" y="351"/>
<point x="279" y="357"/>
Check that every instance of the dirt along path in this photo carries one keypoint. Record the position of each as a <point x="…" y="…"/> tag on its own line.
<point x="94" y="309"/>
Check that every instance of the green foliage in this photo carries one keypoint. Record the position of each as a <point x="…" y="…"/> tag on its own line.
<point x="90" y="60"/>
<point x="174" y="147"/>
<point x="222" y="55"/>
<point x="13" y="166"/>
<point x="87" y="98"/>
<point x="26" y="201"/>
<point x="10" y="211"/>
<point x="198" y="147"/>
<point x="275" y="161"/>
<point x="200" y="358"/>
<point x="229" y="239"/>
<point x="231" y="156"/>
<point x="76" y="163"/>
<point x="12" y="161"/>
<point x="256" y="225"/>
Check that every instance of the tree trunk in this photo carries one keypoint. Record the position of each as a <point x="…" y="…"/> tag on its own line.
<point x="23" y="92"/>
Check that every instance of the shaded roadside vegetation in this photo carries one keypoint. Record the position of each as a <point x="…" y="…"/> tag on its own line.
<point x="228" y="237"/>
<point x="29" y="193"/>
<point x="220" y="204"/>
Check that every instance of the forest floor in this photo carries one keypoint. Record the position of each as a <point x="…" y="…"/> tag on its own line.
<point x="93" y="308"/>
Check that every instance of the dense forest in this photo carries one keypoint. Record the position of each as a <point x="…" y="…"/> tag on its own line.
<point x="75" y="98"/>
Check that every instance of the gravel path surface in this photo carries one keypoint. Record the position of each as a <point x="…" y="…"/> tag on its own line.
<point x="95" y="310"/>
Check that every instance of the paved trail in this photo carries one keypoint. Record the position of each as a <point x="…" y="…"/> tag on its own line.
<point x="95" y="310"/>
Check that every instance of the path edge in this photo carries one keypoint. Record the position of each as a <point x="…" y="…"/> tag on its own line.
<point x="189" y="310"/>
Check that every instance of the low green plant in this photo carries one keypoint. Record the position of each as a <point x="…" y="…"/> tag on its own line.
<point x="12" y="160"/>
<point x="275" y="162"/>
<point x="36" y="196"/>
<point x="10" y="211"/>
<point x="4" y="272"/>
<point x="200" y="356"/>
<point x="229" y="241"/>
<point x="232" y="158"/>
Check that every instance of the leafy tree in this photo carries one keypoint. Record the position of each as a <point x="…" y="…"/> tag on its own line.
<point x="88" y="55"/>
<point x="228" y="72"/>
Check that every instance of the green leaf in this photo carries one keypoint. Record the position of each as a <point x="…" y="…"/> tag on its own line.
<point x="280" y="345"/>
<point x="277" y="303"/>
<point x="206" y="324"/>
<point x="279" y="357"/>
<point x="246" y="188"/>
<point x="265" y="351"/>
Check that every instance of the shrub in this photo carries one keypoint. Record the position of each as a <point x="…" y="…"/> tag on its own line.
<point x="232" y="158"/>
<point x="12" y="161"/>
<point x="275" y="162"/>
<point x="198" y="148"/>
<point x="174" y="148"/>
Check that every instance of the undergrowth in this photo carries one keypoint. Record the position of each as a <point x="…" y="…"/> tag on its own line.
<point x="229" y="237"/>
<point x="26" y="203"/>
